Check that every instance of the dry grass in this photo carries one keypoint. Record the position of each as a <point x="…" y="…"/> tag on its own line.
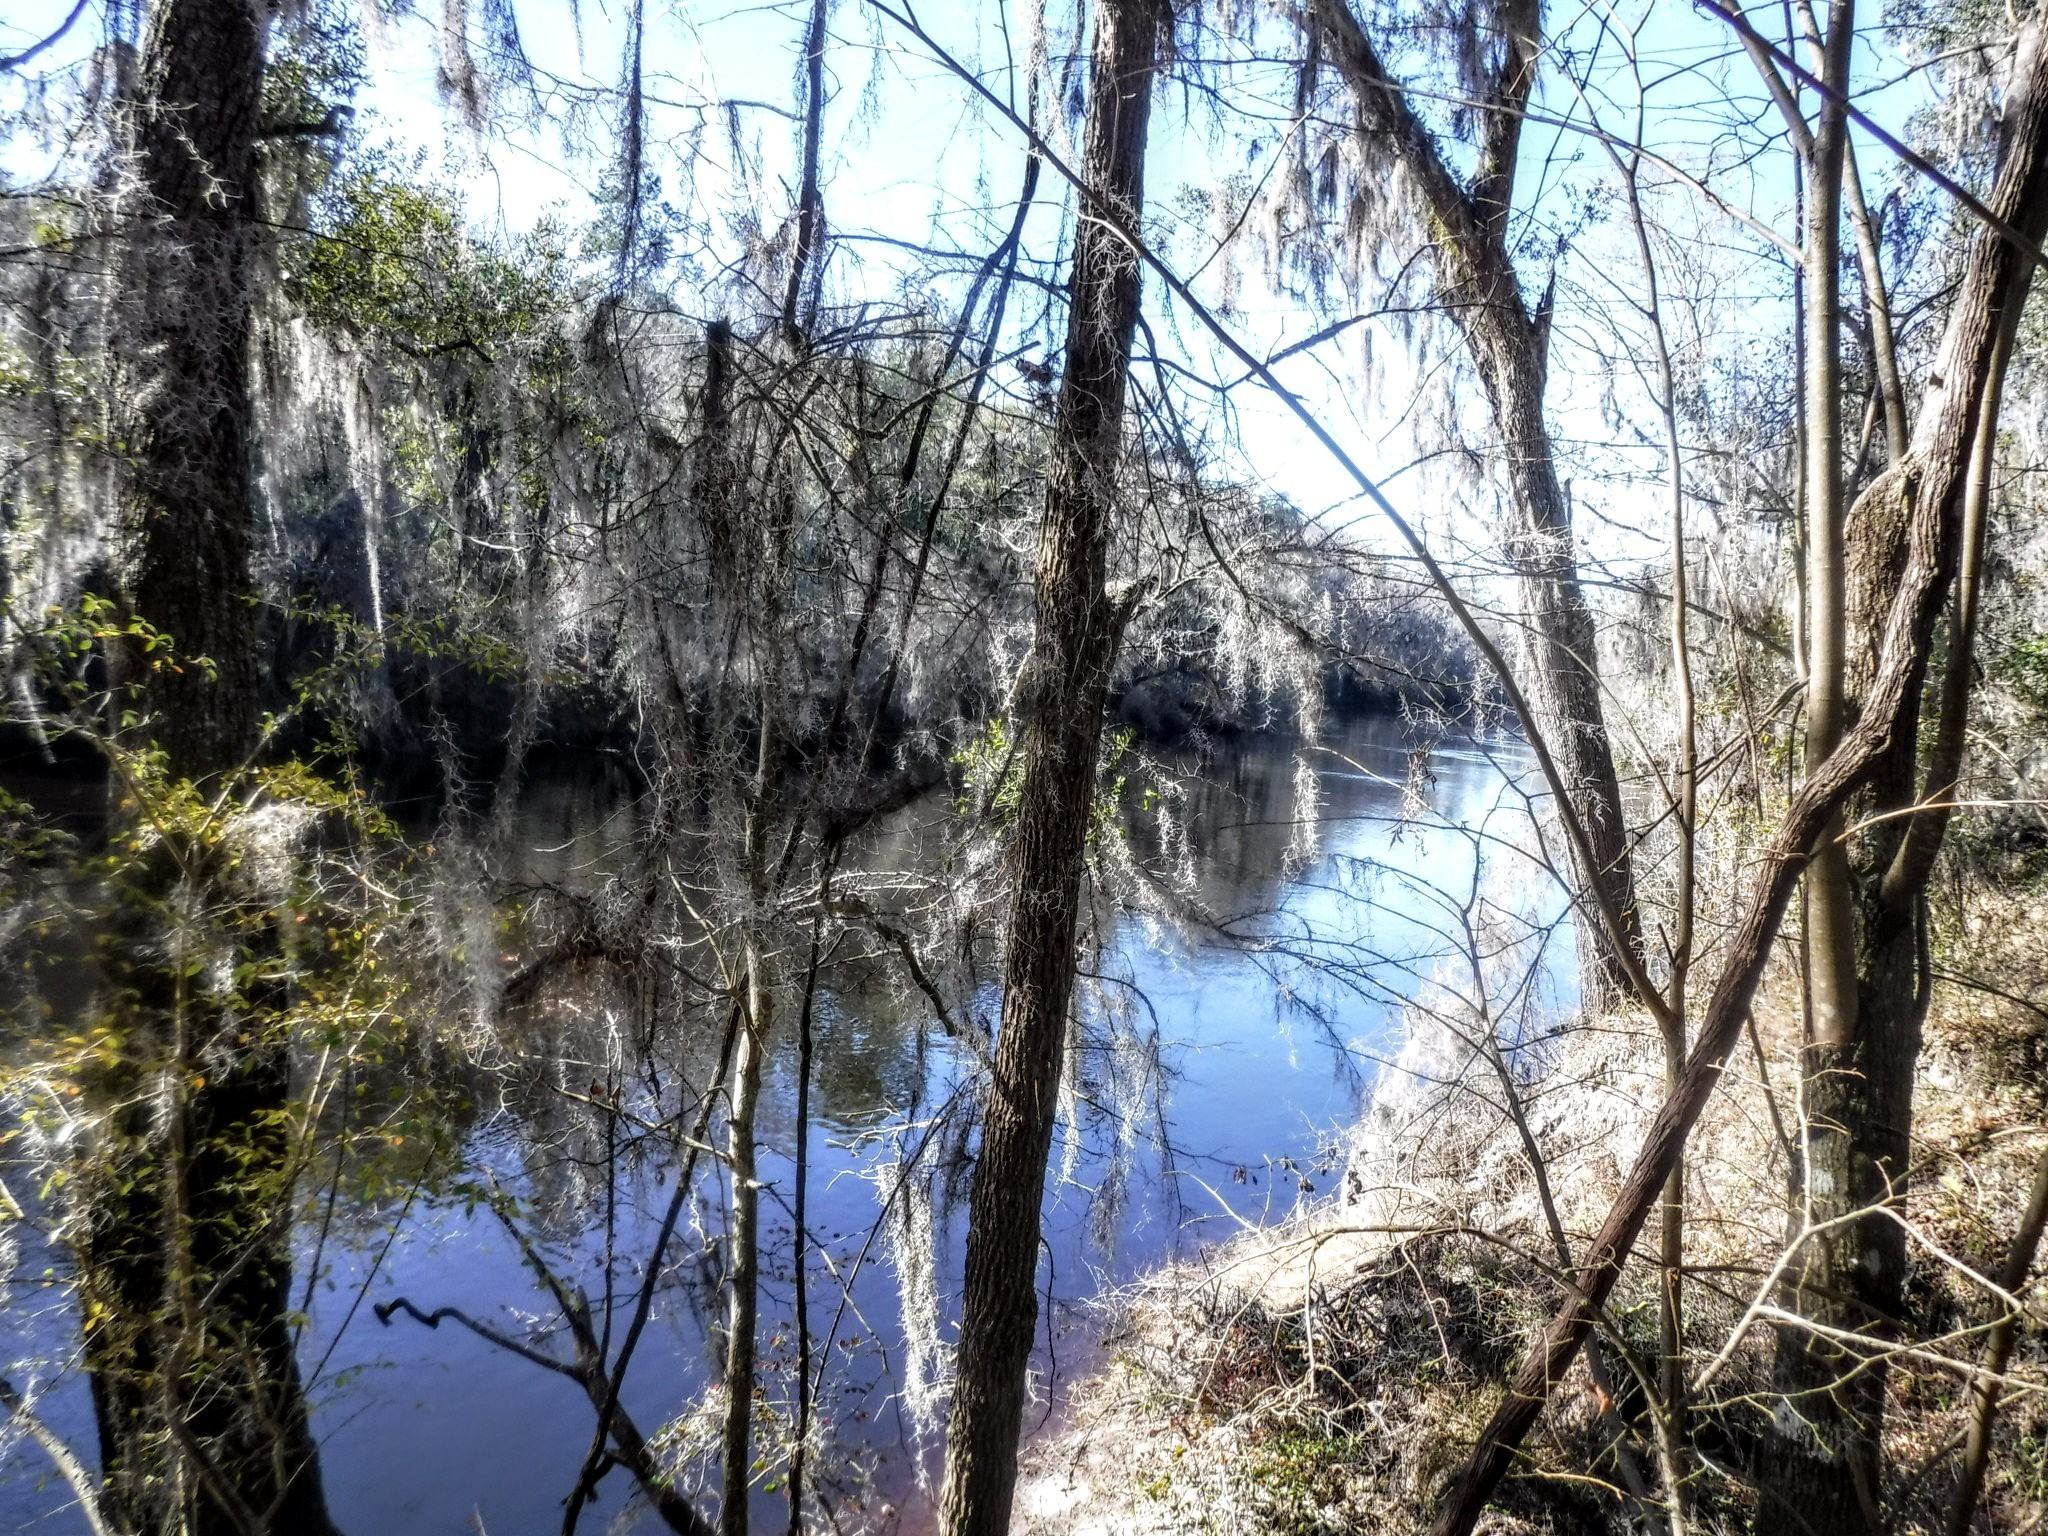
<point x="1329" y="1375"/>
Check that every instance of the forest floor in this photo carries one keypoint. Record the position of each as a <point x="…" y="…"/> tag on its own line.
<point x="1330" y="1374"/>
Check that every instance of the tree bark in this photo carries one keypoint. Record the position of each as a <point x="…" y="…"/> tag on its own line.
<point x="1924" y="497"/>
<point x="1479" y="288"/>
<point x="185" y="1262"/>
<point x="188" y="525"/>
<point x="1837" y="1493"/>
<point x="1826" y="1451"/>
<point x="743" y="1258"/>
<point x="1685" y="820"/>
<point x="1877" y="301"/>
<point x="1830" y="939"/>
<point x="1078" y="628"/>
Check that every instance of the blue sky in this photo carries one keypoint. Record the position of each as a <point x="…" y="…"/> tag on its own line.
<point x="910" y="155"/>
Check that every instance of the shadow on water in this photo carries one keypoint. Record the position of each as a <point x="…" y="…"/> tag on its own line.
<point x="1277" y="907"/>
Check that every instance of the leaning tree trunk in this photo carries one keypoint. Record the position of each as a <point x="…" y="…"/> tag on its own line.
<point x="1561" y="641"/>
<point x="185" y="1262"/>
<point x="1508" y="343"/>
<point x="1078" y="627"/>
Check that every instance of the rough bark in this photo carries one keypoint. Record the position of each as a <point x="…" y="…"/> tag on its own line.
<point x="1479" y="288"/>
<point x="1923" y="496"/>
<point x="185" y="1268"/>
<point x="185" y="1260"/>
<point x="1078" y="627"/>
<point x="189" y="523"/>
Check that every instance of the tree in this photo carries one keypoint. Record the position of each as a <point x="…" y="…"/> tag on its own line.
<point x="1866" y="930"/>
<point x="186" y="1257"/>
<point x="1079" y="622"/>
<point x="1479" y="287"/>
<point x="1925" y="503"/>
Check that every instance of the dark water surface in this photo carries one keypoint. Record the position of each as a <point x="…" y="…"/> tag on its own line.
<point x="1213" y="1087"/>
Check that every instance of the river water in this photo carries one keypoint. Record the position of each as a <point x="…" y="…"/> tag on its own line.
<point x="1220" y="1068"/>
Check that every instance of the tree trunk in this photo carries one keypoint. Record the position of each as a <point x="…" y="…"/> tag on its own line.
<point x="1985" y="1390"/>
<point x="185" y="1267"/>
<point x="1685" y="823"/>
<point x="1562" y="642"/>
<point x="1826" y="1453"/>
<point x="1078" y="628"/>
<point x="743" y="1259"/>
<point x="185" y="1263"/>
<point x="189" y="521"/>
<point x="1479" y="288"/>
<point x="1837" y="1492"/>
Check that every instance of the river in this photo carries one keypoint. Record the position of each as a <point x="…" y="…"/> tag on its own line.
<point x="1221" y="1066"/>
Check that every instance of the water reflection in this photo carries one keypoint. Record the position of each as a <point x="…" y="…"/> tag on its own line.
<point x="1267" y="923"/>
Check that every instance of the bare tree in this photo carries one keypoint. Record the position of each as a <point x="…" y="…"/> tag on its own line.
<point x="1867" y="973"/>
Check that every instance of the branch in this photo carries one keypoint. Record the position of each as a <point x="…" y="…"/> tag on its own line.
<point x="1383" y="109"/>
<point x="895" y="933"/>
<point x="608" y="1408"/>
<point x="385" y="1310"/>
<point x="2030" y="249"/>
<point x="33" y="49"/>
<point x="1877" y="300"/>
<point x="1500" y="133"/>
<point x="810" y="207"/>
<point x="68" y="1466"/>
<point x="1930" y="482"/>
<point x="332" y="124"/>
<point x="1984" y="1389"/>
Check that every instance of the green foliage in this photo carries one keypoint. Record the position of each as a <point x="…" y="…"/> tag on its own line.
<point x="69" y="635"/>
<point x="65" y="380"/>
<point x="391" y="261"/>
<point x="2026" y="1470"/>
<point x="1301" y="1474"/>
<point x="1105" y="810"/>
<point x="2023" y="667"/>
<point x="992" y="779"/>
<point x="316" y="65"/>
<point x="228" y="924"/>
<point x="991" y="775"/>
<point x="439" y="640"/>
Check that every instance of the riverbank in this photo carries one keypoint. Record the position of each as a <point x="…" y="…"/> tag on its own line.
<point x="1329" y="1374"/>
